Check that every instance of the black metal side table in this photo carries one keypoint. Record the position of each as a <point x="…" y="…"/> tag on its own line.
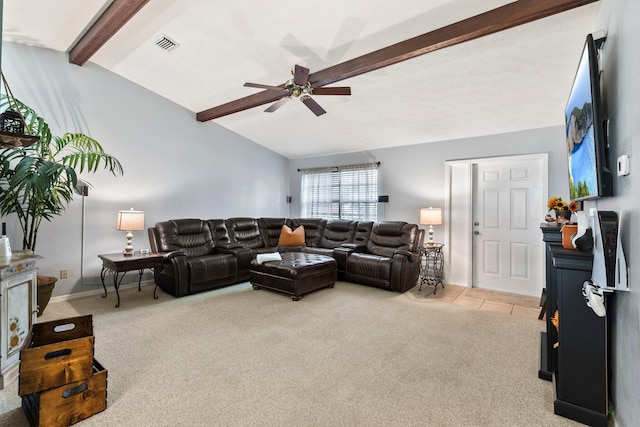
<point x="120" y="264"/>
<point x="431" y="266"/>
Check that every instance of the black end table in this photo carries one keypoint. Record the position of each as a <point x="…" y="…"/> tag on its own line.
<point x="119" y="264"/>
<point x="431" y="266"/>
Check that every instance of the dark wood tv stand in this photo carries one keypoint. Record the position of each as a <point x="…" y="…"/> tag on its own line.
<point x="578" y="364"/>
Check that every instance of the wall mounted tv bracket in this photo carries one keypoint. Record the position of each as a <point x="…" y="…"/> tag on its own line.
<point x="610" y="270"/>
<point x="599" y="37"/>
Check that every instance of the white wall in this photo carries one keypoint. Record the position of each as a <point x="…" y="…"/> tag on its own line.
<point x="175" y="166"/>
<point x="621" y="90"/>
<point x="414" y="176"/>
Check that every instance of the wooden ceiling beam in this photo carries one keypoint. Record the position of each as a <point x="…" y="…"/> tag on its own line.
<point x="508" y="16"/>
<point x="112" y="19"/>
<point x="503" y="18"/>
<point x="260" y="98"/>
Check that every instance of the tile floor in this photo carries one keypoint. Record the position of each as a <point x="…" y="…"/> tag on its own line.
<point x="513" y="304"/>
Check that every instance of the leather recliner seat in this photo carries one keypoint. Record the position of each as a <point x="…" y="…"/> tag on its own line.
<point x="193" y="262"/>
<point x="391" y="259"/>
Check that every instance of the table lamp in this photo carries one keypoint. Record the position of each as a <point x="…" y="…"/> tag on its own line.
<point x="431" y="217"/>
<point x="130" y="221"/>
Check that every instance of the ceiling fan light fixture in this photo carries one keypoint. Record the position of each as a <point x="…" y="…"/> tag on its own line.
<point x="299" y="87"/>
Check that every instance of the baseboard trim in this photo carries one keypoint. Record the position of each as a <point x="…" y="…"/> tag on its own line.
<point x="98" y="291"/>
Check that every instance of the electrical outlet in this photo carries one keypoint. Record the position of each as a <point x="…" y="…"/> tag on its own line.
<point x="64" y="274"/>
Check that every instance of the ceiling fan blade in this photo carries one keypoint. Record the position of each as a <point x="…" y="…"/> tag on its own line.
<point x="268" y="87"/>
<point x="277" y="104"/>
<point x="339" y="90"/>
<point x="312" y="105"/>
<point x="300" y="75"/>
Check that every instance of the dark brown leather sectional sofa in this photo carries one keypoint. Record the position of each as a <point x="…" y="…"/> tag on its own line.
<point x="208" y="254"/>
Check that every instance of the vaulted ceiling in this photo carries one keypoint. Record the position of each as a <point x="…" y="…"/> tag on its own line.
<point x="512" y="80"/>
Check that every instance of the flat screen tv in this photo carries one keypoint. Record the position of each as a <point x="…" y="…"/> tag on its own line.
<point x="589" y="174"/>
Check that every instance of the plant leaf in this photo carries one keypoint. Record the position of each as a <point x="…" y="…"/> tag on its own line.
<point x="37" y="182"/>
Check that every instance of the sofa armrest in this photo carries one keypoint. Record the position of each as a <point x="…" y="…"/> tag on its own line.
<point x="340" y="254"/>
<point x="405" y="269"/>
<point x="234" y="250"/>
<point x="243" y="256"/>
<point x="234" y="245"/>
<point x="354" y="247"/>
<point x="170" y="256"/>
<point x="173" y="274"/>
<point x="413" y="256"/>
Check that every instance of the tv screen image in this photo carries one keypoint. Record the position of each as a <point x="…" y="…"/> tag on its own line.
<point x="589" y="176"/>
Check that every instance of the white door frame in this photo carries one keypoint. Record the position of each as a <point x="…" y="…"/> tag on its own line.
<point x="458" y="236"/>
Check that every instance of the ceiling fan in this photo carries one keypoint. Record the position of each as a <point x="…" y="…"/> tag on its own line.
<point x="502" y="18"/>
<point x="300" y="87"/>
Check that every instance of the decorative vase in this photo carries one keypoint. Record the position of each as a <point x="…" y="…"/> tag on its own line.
<point x="563" y="216"/>
<point x="568" y="231"/>
<point x="45" y="289"/>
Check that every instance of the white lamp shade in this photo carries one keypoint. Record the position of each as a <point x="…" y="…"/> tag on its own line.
<point x="431" y="216"/>
<point x="130" y="220"/>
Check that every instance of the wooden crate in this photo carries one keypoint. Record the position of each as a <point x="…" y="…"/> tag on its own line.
<point x="56" y="353"/>
<point x="66" y="405"/>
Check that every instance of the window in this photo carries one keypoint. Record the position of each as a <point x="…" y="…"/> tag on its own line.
<point x="345" y="192"/>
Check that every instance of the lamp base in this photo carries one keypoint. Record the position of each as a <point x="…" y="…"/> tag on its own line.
<point x="128" y="250"/>
<point x="431" y="243"/>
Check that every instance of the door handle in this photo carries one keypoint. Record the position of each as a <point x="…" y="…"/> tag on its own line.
<point x="476" y="223"/>
<point x="476" y="232"/>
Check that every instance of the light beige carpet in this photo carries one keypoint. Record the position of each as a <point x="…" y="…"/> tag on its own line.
<point x="348" y="356"/>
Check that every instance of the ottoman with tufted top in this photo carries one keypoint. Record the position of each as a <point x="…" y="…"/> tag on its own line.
<point x="297" y="274"/>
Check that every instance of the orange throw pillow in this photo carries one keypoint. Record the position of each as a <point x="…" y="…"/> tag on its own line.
<point x="291" y="238"/>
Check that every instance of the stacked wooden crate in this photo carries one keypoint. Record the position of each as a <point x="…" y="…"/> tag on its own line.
<point x="60" y="381"/>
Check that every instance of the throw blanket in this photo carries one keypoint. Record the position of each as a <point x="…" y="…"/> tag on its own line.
<point x="261" y="258"/>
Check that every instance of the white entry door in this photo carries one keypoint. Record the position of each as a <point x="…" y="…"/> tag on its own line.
<point x="507" y="248"/>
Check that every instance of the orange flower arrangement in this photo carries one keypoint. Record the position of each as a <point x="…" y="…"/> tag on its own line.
<point x="561" y="210"/>
<point x="557" y="204"/>
<point x="573" y="206"/>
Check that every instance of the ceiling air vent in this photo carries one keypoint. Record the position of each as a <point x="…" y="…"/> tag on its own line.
<point x="165" y="43"/>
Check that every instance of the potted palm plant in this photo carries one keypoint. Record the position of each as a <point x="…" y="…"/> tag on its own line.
<point x="37" y="182"/>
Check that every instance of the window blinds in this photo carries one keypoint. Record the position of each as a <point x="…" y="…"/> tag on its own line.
<point x="345" y="192"/>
